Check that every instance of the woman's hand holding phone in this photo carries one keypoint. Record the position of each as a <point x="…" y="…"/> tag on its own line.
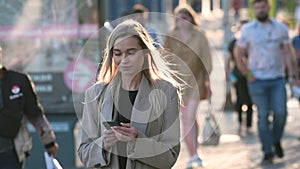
<point x="116" y="131"/>
<point x="125" y="132"/>
<point x="109" y="138"/>
<point x="109" y="124"/>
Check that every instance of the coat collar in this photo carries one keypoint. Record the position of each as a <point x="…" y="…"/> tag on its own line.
<point x="4" y="73"/>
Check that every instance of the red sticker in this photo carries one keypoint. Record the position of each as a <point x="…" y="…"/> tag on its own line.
<point x="15" y="89"/>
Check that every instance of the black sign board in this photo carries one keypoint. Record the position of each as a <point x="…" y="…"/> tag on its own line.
<point x="53" y="94"/>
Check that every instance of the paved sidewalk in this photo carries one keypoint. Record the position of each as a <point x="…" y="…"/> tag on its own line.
<point x="243" y="151"/>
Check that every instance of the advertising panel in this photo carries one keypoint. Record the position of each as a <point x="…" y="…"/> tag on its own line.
<point x="45" y="39"/>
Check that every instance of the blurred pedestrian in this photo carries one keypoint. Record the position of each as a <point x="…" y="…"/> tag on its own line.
<point x="140" y="13"/>
<point x="136" y="91"/>
<point x="19" y="103"/>
<point x="297" y="14"/>
<point x="236" y="5"/>
<point x="240" y="85"/>
<point x="296" y="47"/>
<point x="190" y="46"/>
<point x="266" y="43"/>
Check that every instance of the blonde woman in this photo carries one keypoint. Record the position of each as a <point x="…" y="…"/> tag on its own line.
<point x="192" y="52"/>
<point x="136" y="91"/>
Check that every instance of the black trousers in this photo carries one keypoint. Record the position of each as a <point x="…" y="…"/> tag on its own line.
<point x="243" y="98"/>
<point x="9" y="160"/>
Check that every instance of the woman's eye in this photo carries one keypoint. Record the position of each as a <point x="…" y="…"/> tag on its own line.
<point x="131" y="52"/>
<point x="117" y="54"/>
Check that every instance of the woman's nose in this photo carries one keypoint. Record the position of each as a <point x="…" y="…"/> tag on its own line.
<point x="124" y="58"/>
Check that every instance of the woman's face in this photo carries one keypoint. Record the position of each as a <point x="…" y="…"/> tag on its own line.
<point x="128" y="55"/>
<point x="183" y="20"/>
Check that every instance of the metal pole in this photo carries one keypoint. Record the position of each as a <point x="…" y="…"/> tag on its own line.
<point x="227" y="33"/>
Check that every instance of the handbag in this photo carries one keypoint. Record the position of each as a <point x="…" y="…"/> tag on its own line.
<point x="211" y="132"/>
<point x="51" y="162"/>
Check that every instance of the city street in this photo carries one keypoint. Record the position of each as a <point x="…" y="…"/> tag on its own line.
<point x="61" y="48"/>
<point x="238" y="150"/>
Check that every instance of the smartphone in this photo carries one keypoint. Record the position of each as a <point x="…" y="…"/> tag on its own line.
<point x="109" y="124"/>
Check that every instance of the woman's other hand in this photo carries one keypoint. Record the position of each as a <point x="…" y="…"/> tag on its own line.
<point x="109" y="138"/>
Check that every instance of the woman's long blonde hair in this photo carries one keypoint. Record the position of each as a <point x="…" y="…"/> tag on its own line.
<point x="156" y="67"/>
<point x="128" y="28"/>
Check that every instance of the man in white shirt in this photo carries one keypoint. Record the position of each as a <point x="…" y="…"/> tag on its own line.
<point x="266" y="42"/>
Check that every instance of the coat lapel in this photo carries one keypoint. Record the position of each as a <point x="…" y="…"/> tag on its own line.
<point x="141" y="111"/>
<point x="107" y="105"/>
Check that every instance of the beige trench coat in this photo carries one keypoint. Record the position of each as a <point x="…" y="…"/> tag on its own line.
<point x="158" y="141"/>
<point x="191" y="58"/>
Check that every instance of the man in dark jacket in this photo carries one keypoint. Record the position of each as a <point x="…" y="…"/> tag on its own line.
<point x="18" y="103"/>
